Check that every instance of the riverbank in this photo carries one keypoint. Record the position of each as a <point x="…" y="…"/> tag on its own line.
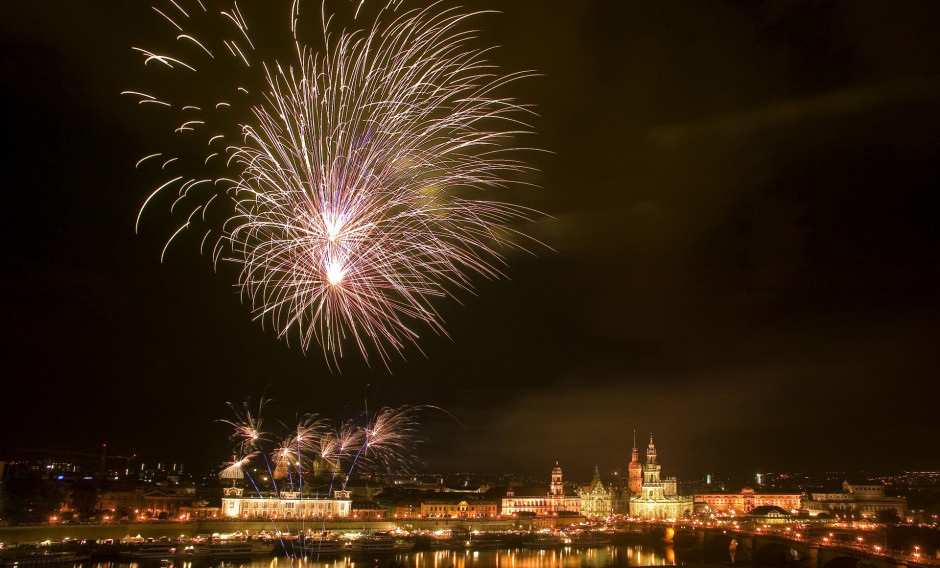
<point x="117" y="531"/>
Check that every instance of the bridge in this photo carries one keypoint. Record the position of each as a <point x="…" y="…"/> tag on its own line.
<point x="774" y="550"/>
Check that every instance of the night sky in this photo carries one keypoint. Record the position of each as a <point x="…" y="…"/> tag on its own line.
<point x="741" y="252"/>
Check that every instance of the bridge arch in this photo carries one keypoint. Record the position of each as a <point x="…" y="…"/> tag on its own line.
<point x="848" y="562"/>
<point x="778" y="554"/>
<point x="717" y="548"/>
<point x="720" y="542"/>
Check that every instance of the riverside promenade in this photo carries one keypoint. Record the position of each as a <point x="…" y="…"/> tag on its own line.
<point x="117" y="531"/>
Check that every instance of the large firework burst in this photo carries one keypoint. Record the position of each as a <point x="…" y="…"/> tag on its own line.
<point x="354" y="177"/>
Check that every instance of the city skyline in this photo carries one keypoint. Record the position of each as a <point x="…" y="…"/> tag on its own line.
<point x="740" y="252"/>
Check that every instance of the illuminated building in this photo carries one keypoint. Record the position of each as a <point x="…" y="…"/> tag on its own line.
<point x="595" y="498"/>
<point x="658" y="498"/>
<point x="746" y="501"/>
<point x="457" y="508"/>
<point x="858" y="501"/>
<point x="401" y="506"/>
<point x="544" y="504"/>
<point x="170" y="500"/>
<point x="636" y="470"/>
<point x="768" y="515"/>
<point x="620" y="500"/>
<point x="290" y="505"/>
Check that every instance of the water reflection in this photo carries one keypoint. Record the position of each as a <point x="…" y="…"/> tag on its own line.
<point x="603" y="557"/>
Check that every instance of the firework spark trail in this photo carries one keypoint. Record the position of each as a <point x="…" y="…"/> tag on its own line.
<point x="249" y="440"/>
<point x="246" y="426"/>
<point x="346" y="170"/>
<point x="385" y="439"/>
<point x="247" y="433"/>
<point x="388" y="438"/>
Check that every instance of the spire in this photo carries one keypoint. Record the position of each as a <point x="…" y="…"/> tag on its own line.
<point x="597" y="477"/>
<point x="635" y="455"/>
<point x="651" y="451"/>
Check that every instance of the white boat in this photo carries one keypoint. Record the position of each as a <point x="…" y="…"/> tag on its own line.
<point x="380" y="544"/>
<point x="318" y="546"/>
<point x="587" y="540"/>
<point x="149" y="551"/>
<point x="227" y="549"/>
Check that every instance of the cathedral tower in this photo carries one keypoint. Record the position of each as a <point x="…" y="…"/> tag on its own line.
<point x="635" y="469"/>
<point x="651" y="469"/>
<point x="558" y="488"/>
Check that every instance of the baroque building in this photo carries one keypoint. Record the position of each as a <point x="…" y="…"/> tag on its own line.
<point x="554" y="502"/>
<point x="856" y="501"/>
<point x="595" y="498"/>
<point x="635" y="470"/>
<point x="290" y="505"/>
<point x="658" y="498"/>
<point x="746" y="501"/>
<point x="458" y="508"/>
<point x="620" y="499"/>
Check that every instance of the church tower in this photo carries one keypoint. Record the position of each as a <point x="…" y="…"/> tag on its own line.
<point x="597" y="478"/>
<point x="635" y="469"/>
<point x="558" y="488"/>
<point x="658" y="498"/>
<point x="651" y="469"/>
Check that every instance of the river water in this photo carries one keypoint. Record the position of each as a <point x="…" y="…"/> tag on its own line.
<point x="622" y="556"/>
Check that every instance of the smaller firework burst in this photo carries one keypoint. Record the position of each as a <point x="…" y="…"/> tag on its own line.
<point x="385" y="439"/>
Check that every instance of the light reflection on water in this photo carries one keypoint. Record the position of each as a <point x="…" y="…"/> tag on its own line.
<point x="603" y="557"/>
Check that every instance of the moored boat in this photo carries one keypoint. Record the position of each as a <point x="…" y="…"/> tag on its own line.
<point x="41" y="557"/>
<point x="450" y="543"/>
<point x="543" y="541"/>
<point x="217" y="549"/>
<point x="380" y="544"/>
<point x="319" y="546"/>
<point x="149" y="551"/>
<point x="587" y="540"/>
<point x="485" y="542"/>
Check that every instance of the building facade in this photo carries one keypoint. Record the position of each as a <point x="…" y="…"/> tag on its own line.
<point x="459" y="509"/>
<point x="596" y="500"/>
<point x="658" y="497"/>
<point x="635" y="470"/>
<point x="289" y="505"/>
<point x="746" y="501"/>
<point x="546" y="504"/>
<point x="855" y="500"/>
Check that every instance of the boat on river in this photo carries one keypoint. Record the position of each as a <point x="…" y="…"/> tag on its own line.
<point x="587" y="539"/>
<point x="41" y="556"/>
<point x="149" y="551"/>
<point x="485" y="542"/>
<point x="320" y="546"/>
<point x="214" y="549"/>
<point x="543" y="541"/>
<point x="380" y="544"/>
